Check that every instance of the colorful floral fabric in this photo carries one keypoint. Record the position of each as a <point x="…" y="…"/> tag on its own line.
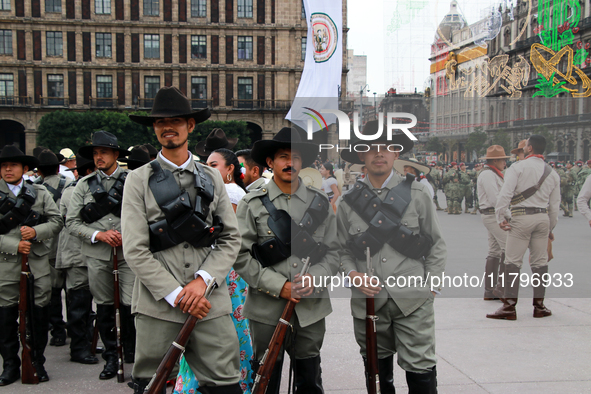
<point x="186" y="382"/>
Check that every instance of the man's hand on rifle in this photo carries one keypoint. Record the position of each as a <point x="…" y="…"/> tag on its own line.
<point x="28" y="233"/>
<point x="24" y="247"/>
<point x="365" y="284"/>
<point x="191" y="299"/>
<point x="287" y="292"/>
<point x="302" y="286"/>
<point x="111" y="237"/>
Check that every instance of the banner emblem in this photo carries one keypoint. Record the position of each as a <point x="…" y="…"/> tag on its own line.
<point x="326" y="36"/>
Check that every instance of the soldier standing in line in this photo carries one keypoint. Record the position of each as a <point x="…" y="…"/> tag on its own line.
<point x="490" y="181"/>
<point x="468" y="194"/>
<point x="474" y="179"/>
<point x="575" y="171"/>
<point x="533" y="191"/>
<point x="272" y="269"/>
<point x="171" y="252"/>
<point x="94" y="215"/>
<point x="435" y="179"/>
<point x="72" y="263"/>
<point x="366" y="217"/>
<point x="55" y="184"/>
<point x="20" y="202"/>
<point x="566" y="190"/>
<point x="455" y="190"/>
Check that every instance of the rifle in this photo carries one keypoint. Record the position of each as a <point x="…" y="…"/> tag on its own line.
<point x="371" y="343"/>
<point x="29" y="374"/>
<point x="95" y="337"/>
<point x="171" y="357"/>
<point x="120" y="376"/>
<point x="267" y="363"/>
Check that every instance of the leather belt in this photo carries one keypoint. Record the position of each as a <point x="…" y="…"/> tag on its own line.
<point x="487" y="211"/>
<point x="516" y="211"/>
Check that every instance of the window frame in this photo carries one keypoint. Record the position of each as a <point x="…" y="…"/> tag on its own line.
<point x="245" y="40"/>
<point x="104" y="46"/>
<point x="201" y="46"/>
<point x="245" y="8"/>
<point x="151" y="7"/>
<point x="102" y="3"/>
<point x="198" y="8"/>
<point x="54" y="52"/>
<point x="155" y="77"/>
<point x="6" y="38"/>
<point x="104" y="84"/>
<point x="152" y="48"/>
<point x="4" y="84"/>
<point x="4" y="4"/>
<point x="53" y="6"/>
<point x="304" y="46"/>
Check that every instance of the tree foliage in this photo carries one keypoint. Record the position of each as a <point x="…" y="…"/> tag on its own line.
<point x="502" y="138"/>
<point x="69" y="129"/>
<point x="434" y="145"/>
<point x="477" y="142"/>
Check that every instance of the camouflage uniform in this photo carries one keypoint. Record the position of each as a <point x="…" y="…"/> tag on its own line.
<point x="454" y="191"/>
<point x="435" y="180"/>
<point x="581" y="178"/>
<point x="566" y="191"/>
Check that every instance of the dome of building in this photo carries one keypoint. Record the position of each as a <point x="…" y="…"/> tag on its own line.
<point x="453" y="20"/>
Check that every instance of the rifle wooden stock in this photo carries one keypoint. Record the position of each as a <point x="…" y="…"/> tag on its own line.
<point x="267" y="363"/>
<point x="95" y="337"/>
<point x="173" y="354"/>
<point x="28" y="374"/>
<point x="371" y="341"/>
<point x="120" y="374"/>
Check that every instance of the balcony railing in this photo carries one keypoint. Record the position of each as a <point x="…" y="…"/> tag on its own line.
<point x="15" y="101"/>
<point x="104" y="102"/>
<point x="55" y="101"/>
<point x="261" y="104"/>
<point x="201" y="103"/>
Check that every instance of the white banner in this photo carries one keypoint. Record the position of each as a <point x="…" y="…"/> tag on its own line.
<point x="321" y="78"/>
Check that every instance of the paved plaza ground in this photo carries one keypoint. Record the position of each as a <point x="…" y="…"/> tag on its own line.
<point x="476" y="355"/>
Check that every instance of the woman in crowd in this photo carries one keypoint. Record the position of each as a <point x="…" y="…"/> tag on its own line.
<point x="329" y="182"/>
<point x="233" y="174"/>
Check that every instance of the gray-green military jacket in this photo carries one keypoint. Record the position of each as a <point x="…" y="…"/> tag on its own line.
<point x="69" y="247"/>
<point x="159" y="274"/>
<point x="420" y="216"/>
<point x="53" y="181"/>
<point x="263" y="303"/>
<point x="40" y="247"/>
<point x="82" y="196"/>
<point x="256" y="184"/>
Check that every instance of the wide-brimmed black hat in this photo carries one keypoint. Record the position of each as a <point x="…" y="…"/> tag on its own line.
<point x="138" y="157"/>
<point x="171" y="103"/>
<point x="371" y="128"/>
<point x="11" y="153"/>
<point x="153" y="152"/>
<point x="81" y="164"/>
<point x="48" y="158"/>
<point x="102" y="139"/>
<point x="215" y="140"/>
<point x="38" y="149"/>
<point x="288" y="138"/>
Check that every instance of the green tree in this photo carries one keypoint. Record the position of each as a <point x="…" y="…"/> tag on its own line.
<point x="434" y="145"/>
<point x="74" y="129"/>
<point x="502" y="138"/>
<point x="477" y="142"/>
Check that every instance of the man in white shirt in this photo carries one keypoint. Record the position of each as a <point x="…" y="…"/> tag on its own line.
<point x="583" y="199"/>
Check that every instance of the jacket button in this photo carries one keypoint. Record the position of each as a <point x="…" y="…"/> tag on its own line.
<point x="269" y="232"/>
<point x="379" y="192"/>
<point x="384" y="260"/>
<point x="295" y="265"/>
<point x="187" y="265"/>
<point x="186" y="246"/>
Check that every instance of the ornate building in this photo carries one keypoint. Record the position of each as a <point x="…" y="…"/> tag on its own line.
<point x="241" y="58"/>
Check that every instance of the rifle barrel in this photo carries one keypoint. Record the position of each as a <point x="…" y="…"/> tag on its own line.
<point x="29" y="374"/>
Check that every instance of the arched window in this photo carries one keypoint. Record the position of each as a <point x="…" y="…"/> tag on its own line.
<point x="507" y="37"/>
<point x="585" y="150"/>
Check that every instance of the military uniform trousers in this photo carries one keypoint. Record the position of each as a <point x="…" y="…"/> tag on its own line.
<point x="412" y="336"/>
<point x="10" y="291"/>
<point x="497" y="238"/>
<point x="528" y="231"/>
<point x="102" y="281"/>
<point x="212" y="351"/>
<point x="308" y="340"/>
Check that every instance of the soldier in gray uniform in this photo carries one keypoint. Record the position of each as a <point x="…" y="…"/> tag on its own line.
<point x="395" y="218"/>
<point x="271" y="267"/>
<point x="94" y="217"/>
<point x="253" y="171"/>
<point x="22" y="205"/>
<point x="72" y="263"/>
<point x="174" y="211"/>
<point x="55" y="184"/>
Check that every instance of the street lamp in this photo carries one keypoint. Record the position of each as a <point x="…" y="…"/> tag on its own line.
<point x="375" y="108"/>
<point x="361" y="97"/>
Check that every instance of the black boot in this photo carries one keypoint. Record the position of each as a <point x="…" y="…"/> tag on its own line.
<point x="9" y="345"/>
<point x="105" y="318"/>
<point x="511" y="292"/>
<point x="231" y="389"/>
<point x="275" y="381"/>
<point x="79" y="305"/>
<point x="491" y="271"/>
<point x="386" y="372"/>
<point x="56" y="319"/>
<point x="40" y="328"/>
<point x="422" y="383"/>
<point x="308" y="376"/>
<point x="127" y="334"/>
<point x="540" y="309"/>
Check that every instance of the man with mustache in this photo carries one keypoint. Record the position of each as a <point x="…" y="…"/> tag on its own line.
<point x="396" y="219"/>
<point x="270" y="259"/>
<point x="94" y="216"/>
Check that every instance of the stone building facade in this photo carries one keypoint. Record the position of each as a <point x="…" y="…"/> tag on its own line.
<point x="241" y="58"/>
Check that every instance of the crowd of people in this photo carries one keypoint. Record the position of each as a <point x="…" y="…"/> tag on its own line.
<point x="246" y="222"/>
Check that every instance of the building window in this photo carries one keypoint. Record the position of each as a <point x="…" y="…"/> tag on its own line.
<point x="104" y="86"/>
<point x="244" y="8"/>
<point x="102" y="7"/>
<point x="103" y="45"/>
<point x="198" y="47"/>
<point x="4" y="5"/>
<point x="53" y="5"/>
<point x="245" y="48"/>
<point x="54" y="43"/>
<point x="6" y="87"/>
<point x="151" y="87"/>
<point x="303" y="10"/>
<point x="151" y="46"/>
<point x="151" y="7"/>
<point x="5" y="42"/>
<point x="55" y="89"/>
<point x="245" y="92"/>
<point x="304" y="42"/>
<point x="198" y="92"/>
<point x="198" y="8"/>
